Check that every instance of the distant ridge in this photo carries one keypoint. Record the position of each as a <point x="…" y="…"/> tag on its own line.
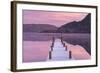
<point x="39" y="28"/>
<point x="83" y="26"/>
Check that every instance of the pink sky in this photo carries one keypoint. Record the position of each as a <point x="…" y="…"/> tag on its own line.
<point x="53" y="18"/>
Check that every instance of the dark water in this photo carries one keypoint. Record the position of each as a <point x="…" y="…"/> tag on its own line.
<point x="82" y="39"/>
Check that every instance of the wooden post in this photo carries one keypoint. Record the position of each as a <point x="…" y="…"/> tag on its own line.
<point x="66" y="48"/>
<point x="64" y="44"/>
<point x="51" y="48"/>
<point x="70" y="54"/>
<point x="50" y="55"/>
<point x="61" y="40"/>
<point x="53" y="40"/>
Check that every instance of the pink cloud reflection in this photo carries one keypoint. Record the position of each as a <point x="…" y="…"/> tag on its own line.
<point x="78" y="52"/>
<point x="35" y="51"/>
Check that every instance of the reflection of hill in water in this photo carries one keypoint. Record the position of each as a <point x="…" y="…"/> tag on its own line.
<point x="73" y="38"/>
<point x="81" y="39"/>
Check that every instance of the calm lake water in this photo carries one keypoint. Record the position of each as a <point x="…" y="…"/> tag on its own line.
<point x="36" y="46"/>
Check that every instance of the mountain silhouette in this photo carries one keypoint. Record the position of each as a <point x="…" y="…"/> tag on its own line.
<point x="83" y="26"/>
<point x="39" y="28"/>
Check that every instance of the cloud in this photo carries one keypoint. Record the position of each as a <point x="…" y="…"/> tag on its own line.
<point x="50" y="17"/>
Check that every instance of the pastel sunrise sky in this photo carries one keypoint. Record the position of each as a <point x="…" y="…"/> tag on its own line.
<point x="51" y="17"/>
